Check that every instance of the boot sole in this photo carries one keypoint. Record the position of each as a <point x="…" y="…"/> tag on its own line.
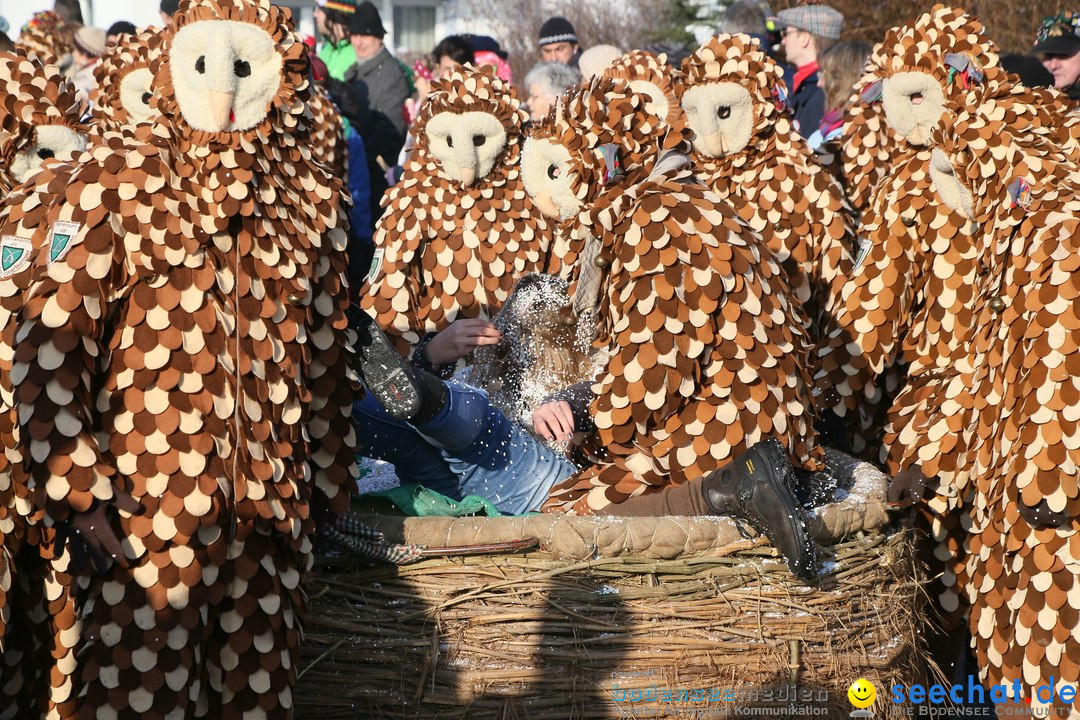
<point x="384" y="376"/>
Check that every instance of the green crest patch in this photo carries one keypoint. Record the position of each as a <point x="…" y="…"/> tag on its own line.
<point x="14" y="255"/>
<point x="61" y="238"/>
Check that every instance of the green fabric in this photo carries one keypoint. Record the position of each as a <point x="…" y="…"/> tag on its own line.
<point x="410" y="76"/>
<point x="419" y="501"/>
<point x="338" y="57"/>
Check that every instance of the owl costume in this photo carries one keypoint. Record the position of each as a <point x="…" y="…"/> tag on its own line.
<point x="41" y="39"/>
<point x="703" y="340"/>
<point x="39" y="121"/>
<point x="329" y="141"/>
<point x="457" y="230"/>
<point x="913" y="293"/>
<point x="1012" y="402"/>
<point x="125" y="82"/>
<point x="201" y="277"/>
<point x="746" y="150"/>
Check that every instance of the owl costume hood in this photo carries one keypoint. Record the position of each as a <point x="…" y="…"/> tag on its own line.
<point x="39" y="119"/>
<point x="1014" y="403"/>
<point x="746" y="149"/>
<point x="927" y="66"/>
<point x="702" y="340"/>
<point x="457" y="230"/>
<point x="200" y="271"/>
<point x="40" y="38"/>
<point x="125" y="82"/>
<point x="652" y="75"/>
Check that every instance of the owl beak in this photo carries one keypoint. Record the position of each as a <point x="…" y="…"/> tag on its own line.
<point x="544" y="203"/>
<point x="713" y="144"/>
<point x="467" y="173"/>
<point x="221" y="109"/>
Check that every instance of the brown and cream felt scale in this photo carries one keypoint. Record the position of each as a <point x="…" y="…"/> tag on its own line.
<point x="182" y="339"/>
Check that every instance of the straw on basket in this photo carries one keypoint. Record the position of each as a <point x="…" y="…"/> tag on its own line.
<point x="614" y="609"/>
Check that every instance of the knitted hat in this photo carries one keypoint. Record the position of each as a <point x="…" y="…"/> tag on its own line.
<point x="361" y="18"/>
<point x="820" y="20"/>
<point x="1059" y="34"/>
<point x="485" y="43"/>
<point x="557" y="30"/>
<point x="169" y="7"/>
<point x="90" y="41"/>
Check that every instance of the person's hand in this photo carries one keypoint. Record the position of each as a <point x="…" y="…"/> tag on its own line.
<point x="907" y="488"/>
<point x="460" y="339"/>
<point x="554" y="421"/>
<point x="423" y="88"/>
<point x="91" y="534"/>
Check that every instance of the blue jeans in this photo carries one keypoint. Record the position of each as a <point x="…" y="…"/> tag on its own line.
<point x="469" y="448"/>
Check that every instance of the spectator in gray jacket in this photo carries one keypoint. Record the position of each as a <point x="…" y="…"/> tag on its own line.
<point x="372" y="94"/>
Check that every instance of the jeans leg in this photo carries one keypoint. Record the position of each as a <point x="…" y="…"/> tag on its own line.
<point x="491" y="455"/>
<point x="415" y="460"/>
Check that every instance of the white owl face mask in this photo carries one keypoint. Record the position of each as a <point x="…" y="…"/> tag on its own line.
<point x="225" y="74"/>
<point x="467" y="145"/>
<point x="914" y="103"/>
<point x="549" y="177"/>
<point x="721" y="115"/>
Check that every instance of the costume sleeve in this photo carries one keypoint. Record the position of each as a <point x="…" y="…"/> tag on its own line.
<point x="707" y="354"/>
<point x="333" y="385"/>
<point x="58" y="349"/>
<point x="394" y="289"/>
<point x="834" y="238"/>
<point x="865" y="327"/>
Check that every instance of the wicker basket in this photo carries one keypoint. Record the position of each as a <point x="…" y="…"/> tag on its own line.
<point x="614" y="617"/>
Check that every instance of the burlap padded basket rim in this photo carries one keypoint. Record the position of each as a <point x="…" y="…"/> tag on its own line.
<point x="609" y="608"/>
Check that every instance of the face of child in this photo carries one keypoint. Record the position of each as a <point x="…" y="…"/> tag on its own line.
<point x="445" y="67"/>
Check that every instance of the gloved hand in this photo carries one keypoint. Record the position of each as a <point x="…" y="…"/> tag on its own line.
<point x="324" y="517"/>
<point x="907" y="488"/>
<point x="1042" y="516"/>
<point x="91" y="533"/>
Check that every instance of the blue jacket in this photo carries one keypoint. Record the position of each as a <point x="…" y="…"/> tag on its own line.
<point x="359" y="185"/>
<point x="361" y="247"/>
<point x="807" y="104"/>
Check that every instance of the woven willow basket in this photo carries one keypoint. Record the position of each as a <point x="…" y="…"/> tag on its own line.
<point x="613" y="618"/>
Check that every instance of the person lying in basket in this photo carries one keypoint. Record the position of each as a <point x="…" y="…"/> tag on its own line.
<point x="702" y="340"/>
<point x="459" y="444"/>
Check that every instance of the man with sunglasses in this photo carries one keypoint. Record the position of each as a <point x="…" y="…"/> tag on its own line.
<point x="1058" y="42"/>
<point x="808" y="31"/>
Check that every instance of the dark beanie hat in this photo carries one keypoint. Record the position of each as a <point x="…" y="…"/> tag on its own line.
<point x="361" y="18"/>
<point x="557" y="30"/>
<point x="169" y="7"/>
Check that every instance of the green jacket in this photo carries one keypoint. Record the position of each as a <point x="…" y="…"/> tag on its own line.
<point x="338" y="57"/>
